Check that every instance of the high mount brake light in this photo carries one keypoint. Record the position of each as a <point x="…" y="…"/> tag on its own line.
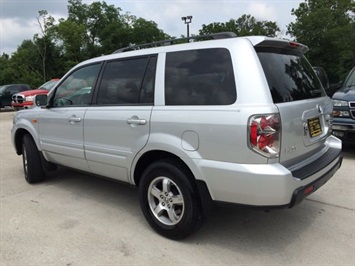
<point x="294" y="44"/>
<point x="265" y="134"/>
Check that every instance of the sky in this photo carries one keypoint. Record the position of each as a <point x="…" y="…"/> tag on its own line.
<point x="18" y="17"/>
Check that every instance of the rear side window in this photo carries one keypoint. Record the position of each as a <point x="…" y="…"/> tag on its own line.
<point x="199" y="77"/>
<point x="289" y="75"/>
<point x="128" y="81"/>
<point x="14" y="89"/>
<point x="24" y="88"/>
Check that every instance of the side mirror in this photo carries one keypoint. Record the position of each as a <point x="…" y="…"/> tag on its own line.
<point x="40" y="100"/>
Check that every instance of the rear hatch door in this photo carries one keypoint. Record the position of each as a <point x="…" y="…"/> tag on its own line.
<point x="302" y="102"/>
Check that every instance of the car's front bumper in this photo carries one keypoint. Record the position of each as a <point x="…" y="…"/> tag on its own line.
<point x="344" y="128"/>
<point x="24" y="105"/>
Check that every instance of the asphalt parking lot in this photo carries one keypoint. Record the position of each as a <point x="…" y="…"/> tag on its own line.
<point x="78" y="219"/>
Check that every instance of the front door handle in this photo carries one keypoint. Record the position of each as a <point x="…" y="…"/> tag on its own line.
<point x="134" y="120"/>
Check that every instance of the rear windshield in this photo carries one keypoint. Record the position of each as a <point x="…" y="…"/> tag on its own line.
<point x="289" y="75"/>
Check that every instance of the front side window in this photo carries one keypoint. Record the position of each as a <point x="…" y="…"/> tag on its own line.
<point x="128" y="81"/>
<point x="289" y="75"/>
<point x="76" y="89"/>
<point x="199" y="77"/>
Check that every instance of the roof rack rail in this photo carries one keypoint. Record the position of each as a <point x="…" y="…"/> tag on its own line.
<point x="214" y="36"/>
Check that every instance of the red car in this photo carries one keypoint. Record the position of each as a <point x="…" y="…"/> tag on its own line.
<point x="24" y="99"/>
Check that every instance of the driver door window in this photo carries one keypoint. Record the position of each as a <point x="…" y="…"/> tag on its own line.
<point x="76" y="89"/>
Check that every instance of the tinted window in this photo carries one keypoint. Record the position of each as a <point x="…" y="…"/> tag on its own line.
<point x="76" y="89"/>
<point x="24" y="87"/>
<point x="123" y="82"/>
<point x="350" y="81"/>
<point x="289" y="75"/>
<point x="322" y="76"/>
<point x="147" y="91"/>
<point x="199" y="77"/>
<point x="13" y="89"/>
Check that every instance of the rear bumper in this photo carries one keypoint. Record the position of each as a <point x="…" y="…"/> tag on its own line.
<point x="304" y="191"/>
<point x="270" y="185"/>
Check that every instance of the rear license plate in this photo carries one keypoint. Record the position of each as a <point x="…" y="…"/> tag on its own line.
<point x="314" y="127"/>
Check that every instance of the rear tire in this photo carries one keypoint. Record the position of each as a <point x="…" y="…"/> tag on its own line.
<point x="32" y="161"/>
<point x="169" y="199"/>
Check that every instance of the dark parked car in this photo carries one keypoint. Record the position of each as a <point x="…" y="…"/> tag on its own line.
<point x="344" y="109"/>
<point x="6" y="92"/>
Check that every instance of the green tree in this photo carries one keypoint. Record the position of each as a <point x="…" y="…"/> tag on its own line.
<point x="327" y="27"/>
<point x="44" y="43"/>
<point x="89" y="31"/>
<point x="26" y="65"/>
<point x="243" y="26"/>
<point x="146" y="32"/>
<point x="35" y="61"/>
<point x="70" y="38"/>
<point x="6" y="72"/>
<point x="93" y="20"/>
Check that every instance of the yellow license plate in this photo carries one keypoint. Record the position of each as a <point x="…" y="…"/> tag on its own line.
<point x="314" y="127"/>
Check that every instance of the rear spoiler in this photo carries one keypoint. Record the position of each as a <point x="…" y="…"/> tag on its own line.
<point x="260" y="42"/>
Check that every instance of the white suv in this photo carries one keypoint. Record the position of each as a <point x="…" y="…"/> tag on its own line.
<point x="241" y="120"/>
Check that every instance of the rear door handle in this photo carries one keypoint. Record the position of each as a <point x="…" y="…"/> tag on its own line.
<point x="74" y="119"/>
<point x="134" y="120"/>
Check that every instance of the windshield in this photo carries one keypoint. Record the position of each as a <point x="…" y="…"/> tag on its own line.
<point x="350" y="81"/>
<point x="2" y="88"/>
<point x="289" y="75"/>
<point x="48" y="85"/>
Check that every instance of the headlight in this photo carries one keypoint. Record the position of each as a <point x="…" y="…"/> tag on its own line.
<point x="29" y="99"/>
<point x="339" y="103"/>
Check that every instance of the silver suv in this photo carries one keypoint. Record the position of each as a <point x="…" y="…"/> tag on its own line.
<point x="240" y="120"/>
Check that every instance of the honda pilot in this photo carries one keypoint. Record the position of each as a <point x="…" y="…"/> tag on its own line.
<point x="239" y="120"/>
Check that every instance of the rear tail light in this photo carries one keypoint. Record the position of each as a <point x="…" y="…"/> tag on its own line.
<point x="265" y="134"/>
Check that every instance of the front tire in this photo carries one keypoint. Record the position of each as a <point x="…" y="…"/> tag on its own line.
<point x="32" y="162"/>
<point x="169" y="199"/>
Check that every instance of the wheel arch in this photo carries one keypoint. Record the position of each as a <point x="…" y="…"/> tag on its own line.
<point x="24" y="124"/>
<point x="18" y="139"/>
<point x="152" y="156"/>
